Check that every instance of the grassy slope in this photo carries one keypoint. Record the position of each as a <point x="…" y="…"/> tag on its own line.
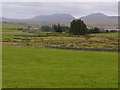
<point x="7" y="30"/>
<point x="108" y="34"/>
<point x="6" y="25"/>
<point x="33" y="67"/>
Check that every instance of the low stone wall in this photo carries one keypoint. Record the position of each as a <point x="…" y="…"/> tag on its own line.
<point x="89" y="49"/>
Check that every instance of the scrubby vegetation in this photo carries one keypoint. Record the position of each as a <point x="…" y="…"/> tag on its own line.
<point x="63" y="40"/>
<point x="104" y="40"/>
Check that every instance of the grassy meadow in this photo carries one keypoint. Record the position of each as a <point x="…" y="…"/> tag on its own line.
<point x="26" y="65"/>
<point x="15" y="26"/>
<point x="7" y="30"/>
<point x="52" y="68"/>
<point x="109" y="34"/>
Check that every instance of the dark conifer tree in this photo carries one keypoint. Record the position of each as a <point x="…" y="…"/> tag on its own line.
<point x="78" y="27"/>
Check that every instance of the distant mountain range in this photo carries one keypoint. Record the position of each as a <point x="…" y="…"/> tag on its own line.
<point x="95" y="19"/>
<point x="99" y="19"/>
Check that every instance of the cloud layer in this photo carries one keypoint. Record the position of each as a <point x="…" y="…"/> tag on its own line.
<point x="24" y="10"/>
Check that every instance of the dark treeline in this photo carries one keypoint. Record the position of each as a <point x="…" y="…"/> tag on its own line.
<point x="77" y="27"/>
<point x="55" y="28"/>
<point x="94" y="30"/>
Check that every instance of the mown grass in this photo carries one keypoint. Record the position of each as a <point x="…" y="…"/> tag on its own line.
<point x="52" y="68"/>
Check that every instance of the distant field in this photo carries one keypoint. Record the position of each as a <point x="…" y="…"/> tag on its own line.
<point x="11" y="27"/>
<point x="8" y="30"/>
<point x="52" y="68"/>
<point x="108" y="34"/>
<point x="6" y="25"/>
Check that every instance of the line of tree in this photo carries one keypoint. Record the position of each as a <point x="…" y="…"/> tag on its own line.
<point x="77" y="27"/>
<point x="111" y="31"/>
<point x="56" y="28"/>
<point x="46" y="28"/>
<point x="94" y="30"/>
<point x="65" y="28"/>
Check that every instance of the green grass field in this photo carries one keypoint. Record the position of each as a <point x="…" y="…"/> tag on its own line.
<point x="52" y="68"/>
<point x="6" y="25"/>
<point x="32" y="67"/>
<point x="7" y="30"/>
<point x="11" y="27"/>
<point x="108" y="34"/>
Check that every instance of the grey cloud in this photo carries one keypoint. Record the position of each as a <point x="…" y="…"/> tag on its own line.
<point x="77" y="9"/>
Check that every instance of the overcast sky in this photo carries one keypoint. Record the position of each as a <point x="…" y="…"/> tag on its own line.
<point x="26" y="10"/>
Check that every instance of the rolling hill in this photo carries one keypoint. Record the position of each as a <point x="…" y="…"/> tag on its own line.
<point x="63" y="19"/>
<point x="99" y="19"/>
<point x="95" y="19"/>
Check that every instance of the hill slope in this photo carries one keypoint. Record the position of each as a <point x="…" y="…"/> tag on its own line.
<point x="99" y="19"/>
<point x="95" y="19"/>
<point x="63" y="19"/>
